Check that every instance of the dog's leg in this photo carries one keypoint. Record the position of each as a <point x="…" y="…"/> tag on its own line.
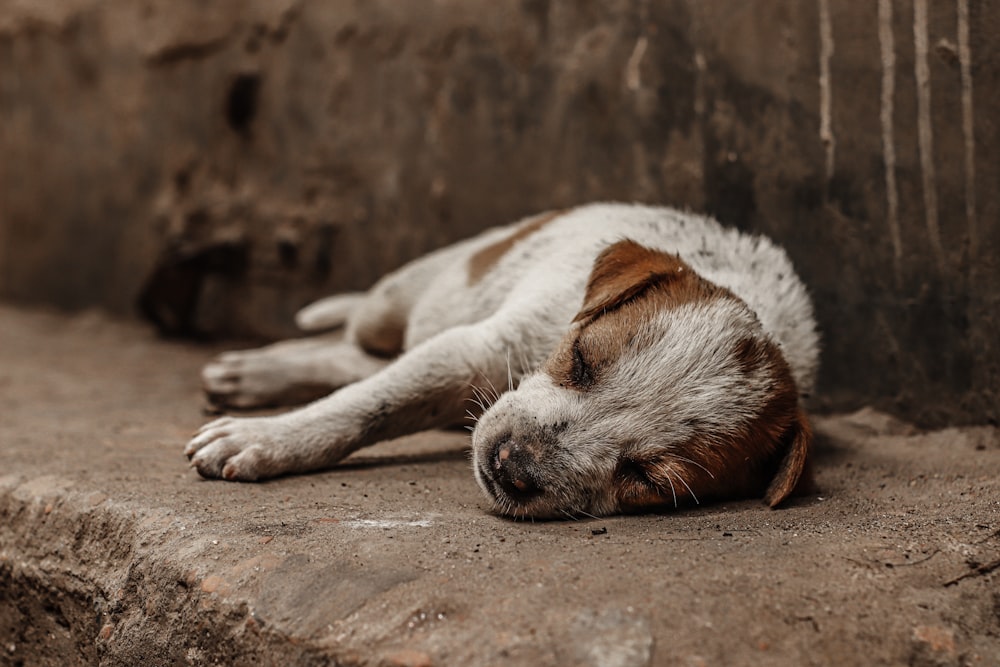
<point x="429" y="386"/>
<point x="286" y="373"/>
<point x="330" y="312"/>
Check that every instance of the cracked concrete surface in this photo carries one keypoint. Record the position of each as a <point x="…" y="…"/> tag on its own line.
<point x="113" y="552"/>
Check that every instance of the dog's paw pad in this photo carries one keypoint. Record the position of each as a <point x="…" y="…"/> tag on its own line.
<point x="246" y="449"/>
<point x="210" y="460"/>
<point x="247" y="466"/>
<point x="206" y="435"/>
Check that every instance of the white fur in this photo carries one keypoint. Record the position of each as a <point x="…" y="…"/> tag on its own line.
<point x="494" y="335"/>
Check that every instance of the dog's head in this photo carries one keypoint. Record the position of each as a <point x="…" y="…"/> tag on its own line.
<point x="665" y="391"/>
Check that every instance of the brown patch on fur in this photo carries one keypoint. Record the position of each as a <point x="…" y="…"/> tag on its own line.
<point x="486" y="258"/>
<point x="380" y="331"/>
<point x="381" y="341"/>
<point x="769" y="456"/>
<point x="627" y="282"/>
<point x="750" y="354"/>
<point x="794" y="475"/>
<point x="627" y="270"/>
<point x="779" y="438"/>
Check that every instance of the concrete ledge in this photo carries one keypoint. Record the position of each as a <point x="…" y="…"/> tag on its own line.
<point x="112" y="552"/>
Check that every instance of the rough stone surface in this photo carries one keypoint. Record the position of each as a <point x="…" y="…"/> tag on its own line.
<point x="230" y="161"/>
<point x="113" y="552"/>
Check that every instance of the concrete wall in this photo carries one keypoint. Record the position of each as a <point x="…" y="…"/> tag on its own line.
<point x="230" y="160"/>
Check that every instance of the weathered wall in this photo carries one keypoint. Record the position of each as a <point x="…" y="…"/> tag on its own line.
<point x="240" y="157"/>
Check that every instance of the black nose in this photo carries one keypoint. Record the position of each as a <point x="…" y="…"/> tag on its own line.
<point x="512" y="465"/>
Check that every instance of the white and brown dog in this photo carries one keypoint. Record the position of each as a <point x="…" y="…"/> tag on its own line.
<point x="646" y="357"/>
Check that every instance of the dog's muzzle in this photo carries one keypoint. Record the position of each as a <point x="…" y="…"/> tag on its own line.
<point x="510" y="466"/>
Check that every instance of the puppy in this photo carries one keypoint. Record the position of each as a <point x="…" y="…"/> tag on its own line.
<point x="614" y="358"/>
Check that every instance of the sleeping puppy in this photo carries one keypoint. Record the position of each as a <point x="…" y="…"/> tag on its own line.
<point x="615" y="358"/>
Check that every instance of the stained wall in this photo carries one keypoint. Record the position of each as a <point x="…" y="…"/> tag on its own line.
<point x="220" y="164"/>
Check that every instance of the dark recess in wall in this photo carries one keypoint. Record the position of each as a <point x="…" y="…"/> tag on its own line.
<point x="241" y="103"/>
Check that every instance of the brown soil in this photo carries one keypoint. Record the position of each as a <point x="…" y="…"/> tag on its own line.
<point x="113" y="552"/>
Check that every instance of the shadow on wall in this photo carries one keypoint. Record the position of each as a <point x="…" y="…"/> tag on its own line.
<point x="231" y="162"/>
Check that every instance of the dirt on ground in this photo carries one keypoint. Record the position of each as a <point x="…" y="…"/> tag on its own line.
<point x="113" y="552"/>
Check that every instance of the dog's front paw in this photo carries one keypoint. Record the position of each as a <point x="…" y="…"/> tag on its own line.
<point x="248" y="449"/>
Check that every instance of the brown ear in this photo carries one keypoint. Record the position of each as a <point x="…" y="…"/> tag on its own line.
<point x="794" y="473"/>
<point x="624" y="271"/>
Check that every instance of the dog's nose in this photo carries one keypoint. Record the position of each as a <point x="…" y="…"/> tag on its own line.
<point x="512" y="465"/>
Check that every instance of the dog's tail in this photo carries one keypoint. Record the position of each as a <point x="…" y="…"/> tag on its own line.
<point x="328" y="313"/>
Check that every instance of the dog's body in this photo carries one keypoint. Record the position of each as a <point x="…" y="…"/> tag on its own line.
<point x="652" y="357"/>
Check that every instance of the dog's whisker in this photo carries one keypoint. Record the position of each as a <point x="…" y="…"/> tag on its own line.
<point x="673" y="491"/>
<point x="569" y="515"/>
<point x="476" y="393"/>
<point x="525" y="366"/>
<point x="495" y="394"/>
<point x="695" y="463"/>
<point x="480" y="398"/>
<point x="486" y="397"/>
<point x="510" y="377"/>
<point x="690" y="490"/>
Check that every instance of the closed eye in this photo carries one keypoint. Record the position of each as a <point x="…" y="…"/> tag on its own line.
<point x="581" y="374"/>
<point x="631" y="470"/>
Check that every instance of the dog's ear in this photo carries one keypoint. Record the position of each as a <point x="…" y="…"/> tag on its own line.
<point x="624" y="271"/>
<point x="794" y="473"/>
